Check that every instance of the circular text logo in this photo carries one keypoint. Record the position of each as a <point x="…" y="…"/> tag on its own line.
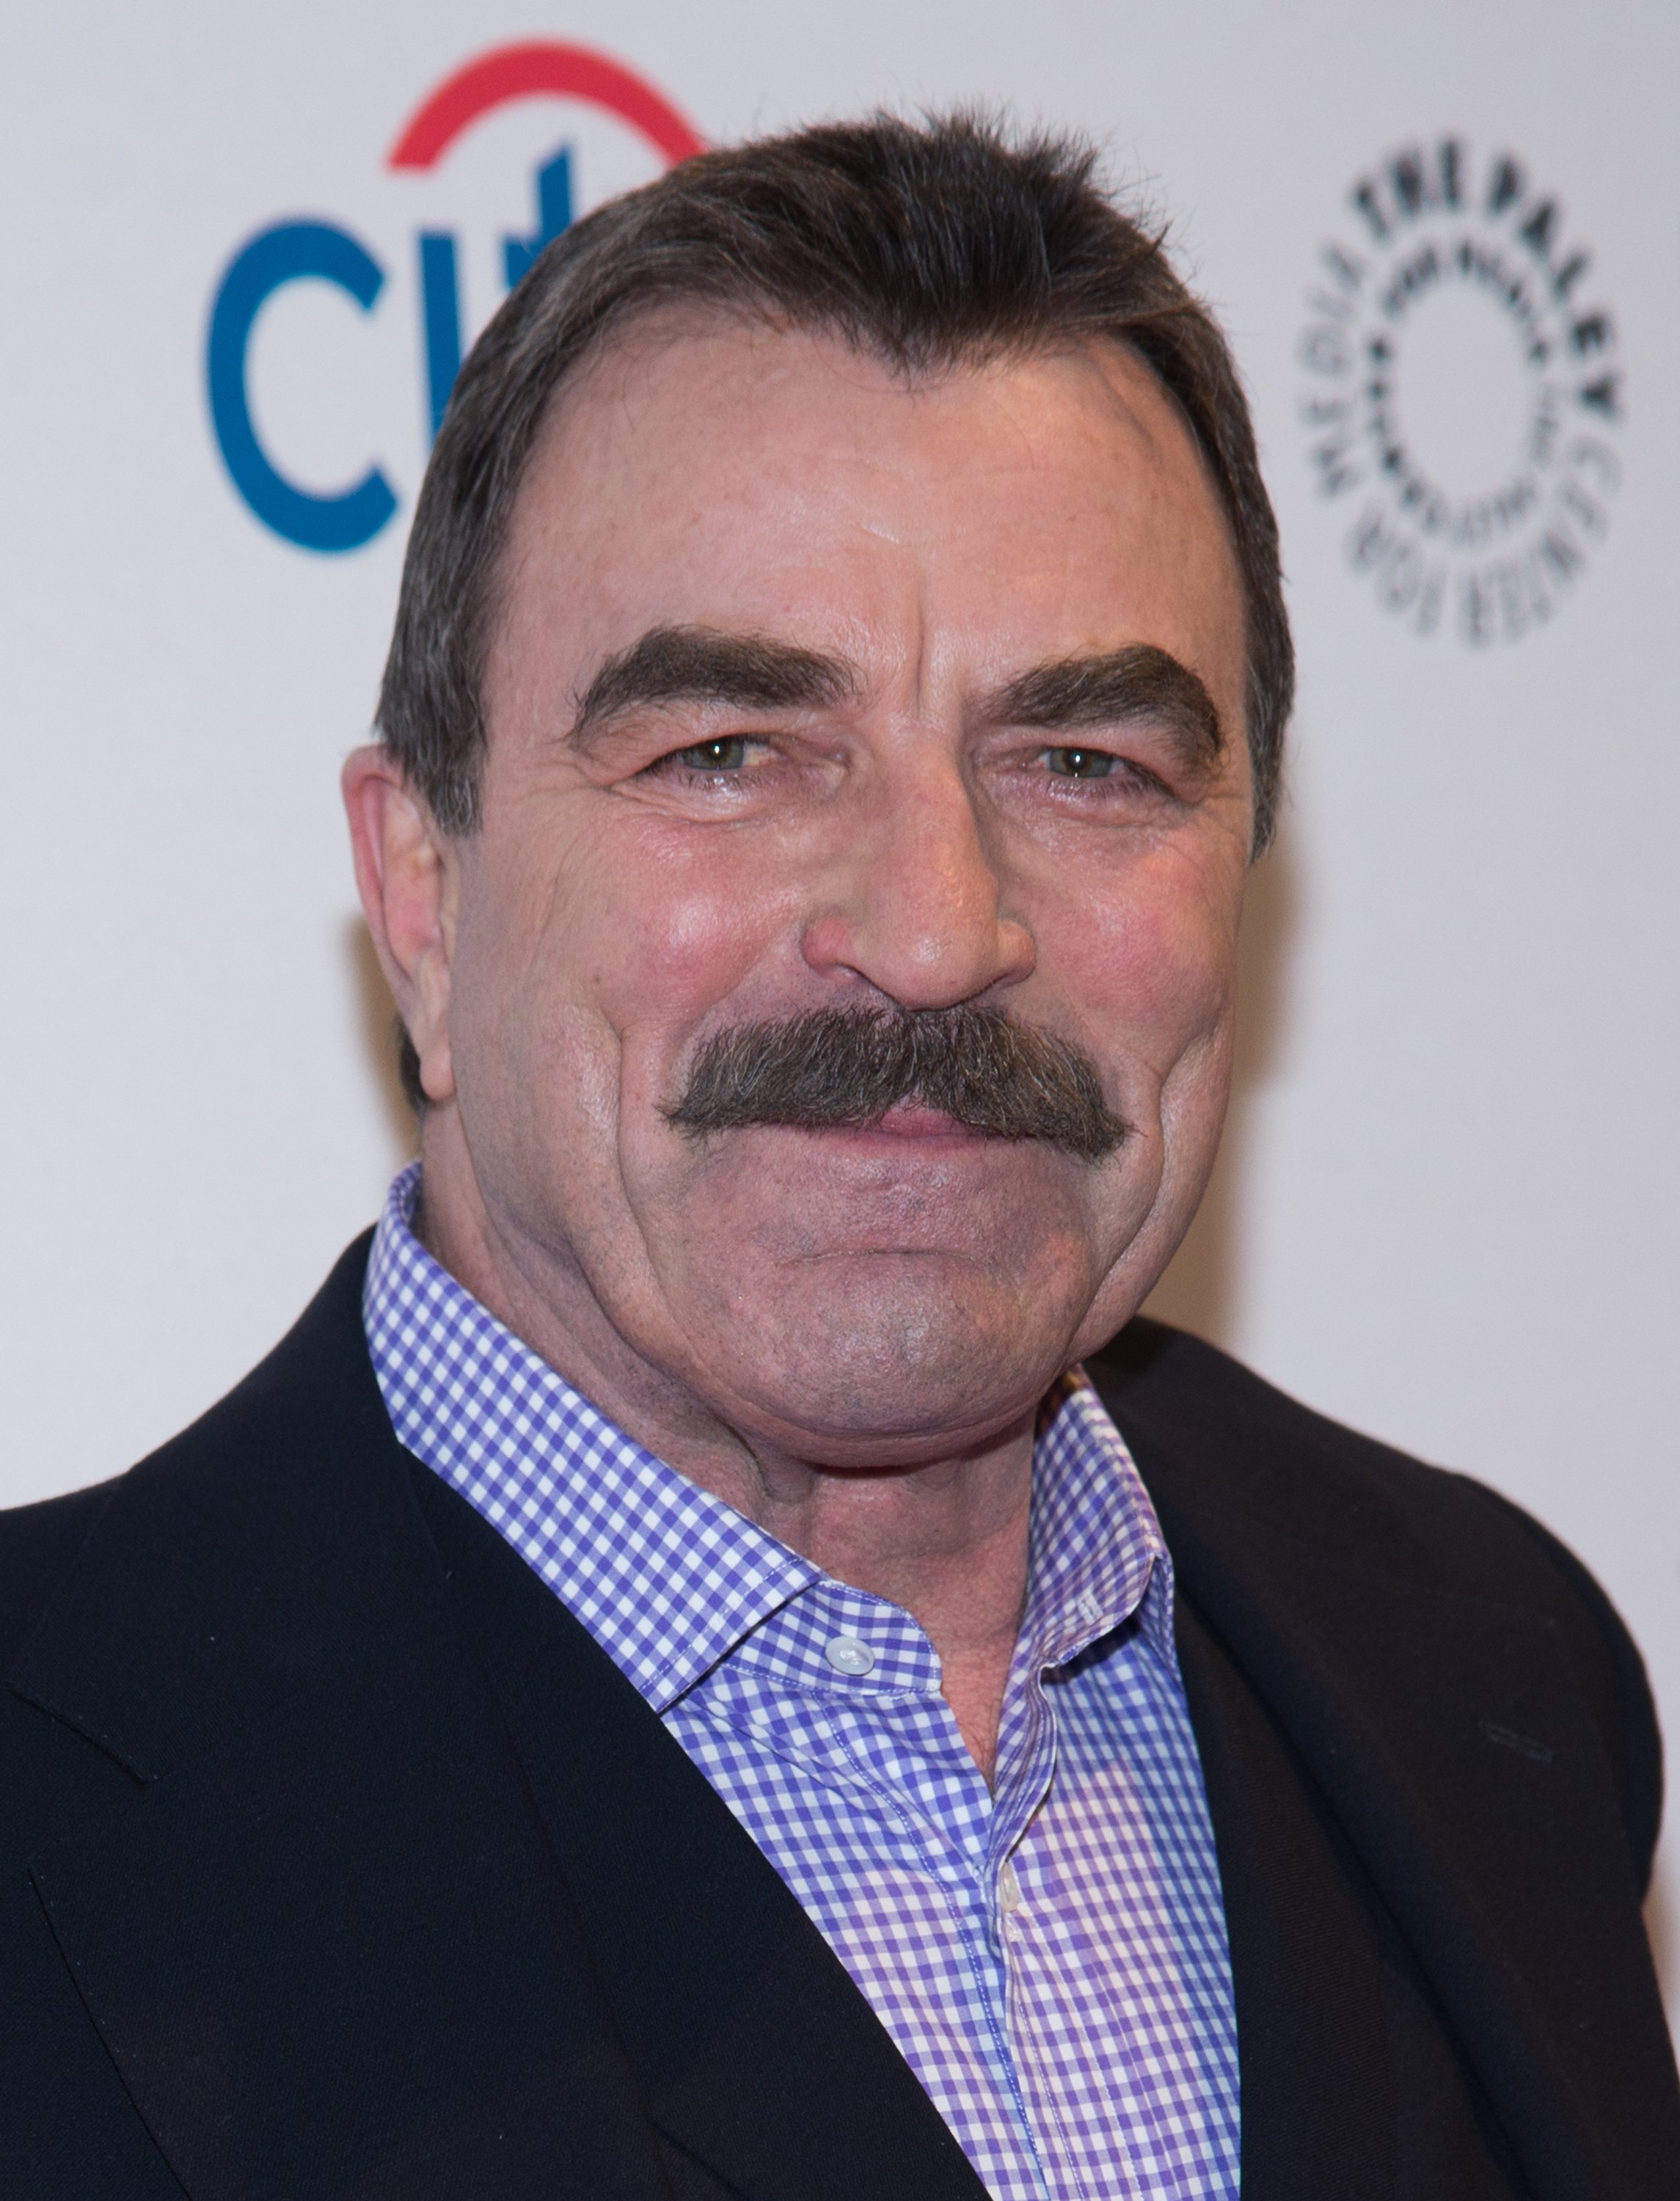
<point x="1462" y="392"/>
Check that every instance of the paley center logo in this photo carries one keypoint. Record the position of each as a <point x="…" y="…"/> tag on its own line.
<point x="1463" y="392"/>
<point x="617" y="131"/>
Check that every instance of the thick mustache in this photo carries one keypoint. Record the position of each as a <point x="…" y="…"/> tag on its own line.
<point x="849" y="1067"/>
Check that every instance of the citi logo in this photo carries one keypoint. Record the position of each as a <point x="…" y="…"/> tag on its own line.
<point x="613" y="119"/>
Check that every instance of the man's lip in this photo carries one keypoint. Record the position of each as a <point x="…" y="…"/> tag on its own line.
<point x="904" y="1127"/>
<point x="909" y="1121"/>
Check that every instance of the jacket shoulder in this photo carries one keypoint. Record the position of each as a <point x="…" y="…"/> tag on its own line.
<point x="247" y="1529"/>
<point x="1193" y="1414"/>
<point x="38" y="1545"/>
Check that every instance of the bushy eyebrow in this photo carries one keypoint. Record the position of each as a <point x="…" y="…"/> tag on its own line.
<point x="1118" y="688"/>
<point x="705" y="665"/>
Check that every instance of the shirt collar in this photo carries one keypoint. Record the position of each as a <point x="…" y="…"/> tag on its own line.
<point x="1098" y="1556"/>
<point x="668" y="1579"/>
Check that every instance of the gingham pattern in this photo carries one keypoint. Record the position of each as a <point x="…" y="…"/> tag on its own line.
<point x="1051" y="1959"/>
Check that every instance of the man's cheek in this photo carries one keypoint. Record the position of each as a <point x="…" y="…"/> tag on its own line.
<point x="1149" y="985"/>
<point x="653" y="928"/>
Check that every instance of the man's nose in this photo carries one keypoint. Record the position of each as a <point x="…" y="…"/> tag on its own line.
<point x="916" y="903"/>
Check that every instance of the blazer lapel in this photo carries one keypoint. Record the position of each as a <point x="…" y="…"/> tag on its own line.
<point x="759" y="2057"/>
<point x="321" y="1936"/>
<point x="1318" y="2098"/>
<point x="1456" y="1751"/>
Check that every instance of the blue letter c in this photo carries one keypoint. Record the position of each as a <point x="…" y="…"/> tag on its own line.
<point x="287" y="253"/>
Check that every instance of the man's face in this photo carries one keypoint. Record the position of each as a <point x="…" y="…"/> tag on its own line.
<point x="813" y="689"/>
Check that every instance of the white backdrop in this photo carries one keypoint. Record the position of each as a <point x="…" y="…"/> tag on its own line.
<point x="1447" y="1203"/>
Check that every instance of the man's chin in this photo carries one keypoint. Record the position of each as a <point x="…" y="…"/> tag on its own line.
<point x="870" y="1348"/>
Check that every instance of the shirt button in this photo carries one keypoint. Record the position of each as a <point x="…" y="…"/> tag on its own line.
<point x="847" y="1654"/>
<point x="1008" y="1887"/>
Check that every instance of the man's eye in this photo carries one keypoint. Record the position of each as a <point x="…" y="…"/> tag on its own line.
<point x="1080" y="764"/>
<point x="727" y="753"/>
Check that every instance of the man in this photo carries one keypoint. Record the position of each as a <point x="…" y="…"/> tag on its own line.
<point x="697" y="1670"/>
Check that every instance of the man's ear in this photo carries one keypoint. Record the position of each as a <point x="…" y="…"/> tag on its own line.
<point x="409" y="879"/>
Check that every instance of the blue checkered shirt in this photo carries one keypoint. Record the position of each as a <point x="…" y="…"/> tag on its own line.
<point x="1048" y="1955"/>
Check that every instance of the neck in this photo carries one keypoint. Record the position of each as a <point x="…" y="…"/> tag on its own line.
<point x="942" y="1535"/>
